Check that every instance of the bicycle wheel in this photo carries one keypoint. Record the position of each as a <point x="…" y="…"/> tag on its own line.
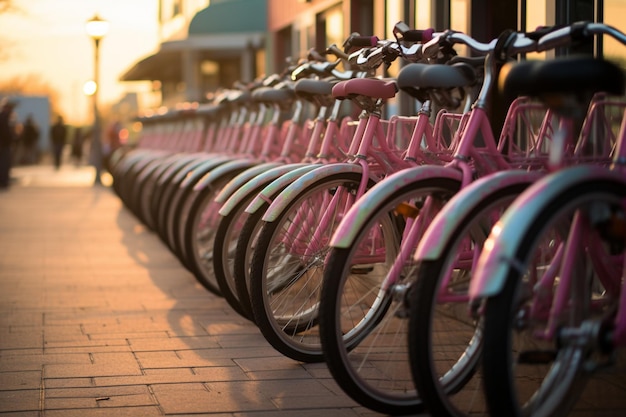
<point x="363" y="325"/>
<point x="288" y="262"/>
<point x="527" y="370"/>
<point x="198" y="232"/>
<point x="226" y="239"/>
<point x="246" y="243"/>
<point x="445" y="339"/>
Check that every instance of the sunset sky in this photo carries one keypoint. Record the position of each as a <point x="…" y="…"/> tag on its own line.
<point x="48" y="40"/>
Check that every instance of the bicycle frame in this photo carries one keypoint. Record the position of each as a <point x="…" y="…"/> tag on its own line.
<point x="361" y="164"/>
<point x="492" y="266"/>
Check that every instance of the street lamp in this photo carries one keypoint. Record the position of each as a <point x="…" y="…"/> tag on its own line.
<point x="96" y="28"/>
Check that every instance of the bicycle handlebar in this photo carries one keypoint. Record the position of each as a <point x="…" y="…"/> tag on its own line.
<point x="355" y="40"/>
<point x="513" y="43"/>
<point x="576" y="32"/>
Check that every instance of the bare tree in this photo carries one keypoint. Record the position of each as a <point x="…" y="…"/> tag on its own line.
<point x="6" y="6"/>
<point x="31" y="85"/>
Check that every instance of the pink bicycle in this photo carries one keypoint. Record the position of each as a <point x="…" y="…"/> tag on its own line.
<point x="549" y="279"/>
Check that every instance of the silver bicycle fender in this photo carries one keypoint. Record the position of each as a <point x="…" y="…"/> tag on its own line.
<point x="200" y="161"/>
<point x="188" y="168"/>
<point x="369" y="203"/>
<point x="238" y="181"/>
<point x="293" y="190"/>
<point x="222" y="169"/>
<point x="202" y="170"/>
<point x="232" y="197"/>
<point x="503" y="243"/>
<point x="276" y="186"/>
<point x="452" y="216"/>
<point x="177" y="167"/>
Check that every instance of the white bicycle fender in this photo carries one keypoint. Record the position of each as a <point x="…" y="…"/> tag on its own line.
<point x="202" y="170"/>
<point x="173" y="172"/>
<point x="233" y="196"/>
<point x="276" y="186"/>
<point x="223" y="169"/>
<point x="293" y="190"/>
<point x="240" y="179"/>
<point x="455" y="212"/>
<point x="503" y="243"/>
<point x="361" y="211"/>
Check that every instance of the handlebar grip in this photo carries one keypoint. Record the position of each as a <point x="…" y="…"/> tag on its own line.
<point x="417" y="35"/>
<point x="334" y="50"/>
<point x="313" y="55"/>
<point x="356" y="40"/>
<point x="542" y="31"/>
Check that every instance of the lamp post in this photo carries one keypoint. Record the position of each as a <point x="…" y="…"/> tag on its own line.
<point x="96" y="28"/>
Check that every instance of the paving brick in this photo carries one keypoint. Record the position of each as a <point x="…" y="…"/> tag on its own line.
<point x="177" y="375"/>
<point x="150" y="377"/>
<point x="102" y="364"/>
<point x="172" y="343"/>
<point x="20" y="340"/>
<point x="221" y="398"/>
<point x="267" y="364"/>
<point x="151" y="411"/>
<point x="19" y="400"/>
<point x="20" y="380"/>
<point x="68" y="382"/>
<point x="312" y="401"/>
<point x="252" y="339"/>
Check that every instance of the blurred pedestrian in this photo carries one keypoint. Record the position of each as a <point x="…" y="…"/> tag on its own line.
<point x="7" y="138"/>
<point x="30" y="139"/>
<point x="77" y="145"/>
<point x="58" y="134"/>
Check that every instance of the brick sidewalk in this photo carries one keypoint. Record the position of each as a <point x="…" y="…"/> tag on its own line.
<point x="97" y="318"/>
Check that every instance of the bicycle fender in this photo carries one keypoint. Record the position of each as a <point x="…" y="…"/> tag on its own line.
<point x="239" y="181"/>
<point x="276" y="186"/>
<point x="139" y="160"/>
<point x="360" y="212"/>
<point x="503" y="243"/>
<point x="201" y="170"/>
<point x="294" y="189"/>
<point x="154" y="166"/>
<point x="231" y="198"/>
<point x="180" y="165"/>
<point x="197" y="163"/>
<point x="183" y="172"/>
<point x="456" y="211"/>
<point x="222" y="169"/>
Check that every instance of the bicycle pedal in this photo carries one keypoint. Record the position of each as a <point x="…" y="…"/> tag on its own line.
<point x="536" y="357"/>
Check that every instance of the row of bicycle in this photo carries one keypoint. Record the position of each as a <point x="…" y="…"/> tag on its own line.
<point x="430" y="263"/>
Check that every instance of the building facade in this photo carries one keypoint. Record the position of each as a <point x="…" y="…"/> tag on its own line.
<point x="208" y="45"/>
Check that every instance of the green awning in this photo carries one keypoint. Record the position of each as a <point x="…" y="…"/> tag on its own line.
<point x="228" y="16"/>
<point x="163" y="66"/>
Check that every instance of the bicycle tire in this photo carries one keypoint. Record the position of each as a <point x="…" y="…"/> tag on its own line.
<point x="198" y="232"/>
<point x="294" y="333"/>
<point x="364" y="326"/>
<point x="445" y="340"/>
<point x="246" y="243"/>
<point x="227" y="235"/>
